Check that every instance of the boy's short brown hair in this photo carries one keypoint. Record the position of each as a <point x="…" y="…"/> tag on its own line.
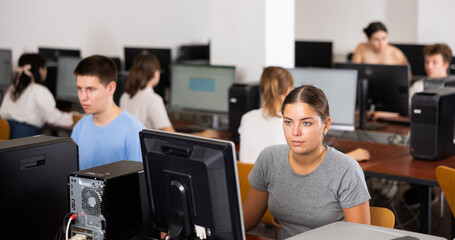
<point x="439" y="48"/>
<point x="97" y="65"/>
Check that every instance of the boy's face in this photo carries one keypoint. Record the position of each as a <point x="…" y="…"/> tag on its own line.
<point x="93" y="95"/>
<point x="435" y="67"/>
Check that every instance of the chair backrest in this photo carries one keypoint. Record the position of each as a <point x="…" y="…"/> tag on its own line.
<point x="382" y="217"/>
<point x="244" y="169"/>
<point x="446" y="179"/>
<point x="4" y="130"/>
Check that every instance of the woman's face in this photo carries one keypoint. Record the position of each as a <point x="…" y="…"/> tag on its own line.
<point x="43" y="73"/>
<point x="379" y="41"/>
<point x="303" y="128"/>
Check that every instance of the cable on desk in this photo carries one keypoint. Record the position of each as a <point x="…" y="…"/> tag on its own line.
<point x="74" y="216"/>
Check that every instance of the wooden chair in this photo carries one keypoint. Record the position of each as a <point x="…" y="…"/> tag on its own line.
<point x="243" y="170"/>
<point x="382" y="217"/>
<point x="4" y="130"/>
<point x="446" y="179"/>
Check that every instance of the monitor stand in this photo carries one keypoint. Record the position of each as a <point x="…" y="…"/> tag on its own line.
<point x="363" y="99"/>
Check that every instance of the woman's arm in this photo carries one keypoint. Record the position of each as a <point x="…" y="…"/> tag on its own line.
<point x="254" y="208"/>
<point x="358" y="214"/>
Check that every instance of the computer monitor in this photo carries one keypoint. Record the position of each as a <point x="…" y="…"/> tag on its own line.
<point x="414" y="54"/>
<point x="52" y="54"/>
<point x="201" y="88"/>
<point x="313" y="54"/>
<point x="193" y="185"/>
<point x="6" y="67"/>
<point x="66" y="80"/>
<point x="163" y="55"/>
<point x="194" y="54"/>
<point x="388" y="85"/>
<point x="340" y="87"/>
<point x="34" y="179"/>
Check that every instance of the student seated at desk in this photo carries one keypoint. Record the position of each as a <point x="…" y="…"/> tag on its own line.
<point x="140" y="99"/>
<point x="262" y="127"/>
<point x="107" y="134"/>
<point x="377" y="49"/>
<point x="303" y="183"/>
<point x="28" y="104"/>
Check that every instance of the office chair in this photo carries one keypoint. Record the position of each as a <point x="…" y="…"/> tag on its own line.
<point x="4" y="129"/>
<point x="349" y="57"/>
<point x="244" y="169"/>
<point x="446" y="179"/>
<point x="382" y="217"/>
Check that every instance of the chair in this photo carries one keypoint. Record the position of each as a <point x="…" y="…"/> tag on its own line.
<point x="243" y="170"/>
<point x="446" y="179"/>
<point x="382" y="217"/>
<point x="4" y="130"/>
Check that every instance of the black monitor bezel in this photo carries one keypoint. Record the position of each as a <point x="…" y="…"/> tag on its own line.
<point x="313" y="54"/>
<point x="156" y="139"/>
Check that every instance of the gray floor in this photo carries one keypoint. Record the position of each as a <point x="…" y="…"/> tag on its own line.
<point x="391" y="197"/>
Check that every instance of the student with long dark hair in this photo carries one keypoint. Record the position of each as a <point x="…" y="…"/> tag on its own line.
<point x="28" y="104"/>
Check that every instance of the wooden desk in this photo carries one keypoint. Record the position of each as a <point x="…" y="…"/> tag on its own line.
<point x="396" y="163"/>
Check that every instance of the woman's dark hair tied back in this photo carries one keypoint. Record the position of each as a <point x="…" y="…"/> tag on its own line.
<point x="310" y="95"/>
<point x="374" y="27"/>
<point x="29" y="64"/>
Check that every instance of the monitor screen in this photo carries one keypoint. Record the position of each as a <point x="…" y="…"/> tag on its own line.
<point x="163" y="55"/>
<point x="34" y="178"/>
<point x="340" y="87"/>
<point x="414" y="54"/>
<point x="193" y="185"/>
<point x="52" y="54"/>
<point x="194" y="53"/>
<point x="66" y="80"/>
<point x="6" y="67"/>
<point x="201" y="88"/>
<point x="313" y="54"/>
<point x="388" y="85"/>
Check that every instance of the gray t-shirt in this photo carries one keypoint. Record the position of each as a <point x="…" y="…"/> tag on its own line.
<point x="303" y="202"/>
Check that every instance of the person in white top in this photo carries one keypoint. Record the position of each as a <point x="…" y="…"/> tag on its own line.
<point x="140" y="99"/>
<point x="28" y="104"/>
<point x="262" y="127"/>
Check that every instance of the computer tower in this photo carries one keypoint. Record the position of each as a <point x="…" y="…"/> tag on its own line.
<point x="242" y="98"/>
<point x="432" y="124"/>
<point x="430" y="83"/>
<point x="33" y="185"/>
<point x="111" y="202"/>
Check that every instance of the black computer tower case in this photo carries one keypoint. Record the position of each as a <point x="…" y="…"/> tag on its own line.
<point x="242" y="98"/>
<point x="432" y="124"/>
<point x="111" y="202"/>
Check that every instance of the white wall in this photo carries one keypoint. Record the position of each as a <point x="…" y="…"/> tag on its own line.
<point x="102" y="26"/>
<point x="342" y="22"/>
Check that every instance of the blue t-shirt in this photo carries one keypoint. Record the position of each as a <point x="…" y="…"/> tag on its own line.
<point x="118" y="140"/>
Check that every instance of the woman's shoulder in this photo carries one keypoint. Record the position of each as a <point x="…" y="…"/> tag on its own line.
<point x="340" y="159"/>
<point x="398" y="55"/>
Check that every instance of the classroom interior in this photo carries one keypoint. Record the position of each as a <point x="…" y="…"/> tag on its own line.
<point x="240" y="39"/>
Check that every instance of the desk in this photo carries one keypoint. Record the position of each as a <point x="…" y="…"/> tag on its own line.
<point x="355" y="231"/>
<point x="396" y="163"/>
<point x="254" y="237"/>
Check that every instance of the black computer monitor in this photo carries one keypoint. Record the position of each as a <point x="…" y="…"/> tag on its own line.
<point x="52" y="54"/>
<point x="340" y="87"/>
<point x="388" y="85"/>
<point x="66" y="89"/>
<point x="201" y="88"/>
<point x="34" y="180"/>
<point x="414" y="54"/>
<point x="163" y="55"/>
<point x="193" y="185"/>
<point x="313" y="54"/>
<point x="6" y="67"/>
<point x="194" y="54"/>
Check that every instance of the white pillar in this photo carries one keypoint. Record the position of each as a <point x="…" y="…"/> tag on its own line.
<point x="251" y="35"/>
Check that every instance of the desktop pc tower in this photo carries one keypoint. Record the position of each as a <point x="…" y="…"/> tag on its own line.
<point x="33" y="185"/>
<point x="111" y="202"/>
<point x="432" y="124"/>
<point x="242" y="98"/>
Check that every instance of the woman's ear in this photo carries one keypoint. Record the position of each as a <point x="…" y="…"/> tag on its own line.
<point x="327" y="123"/>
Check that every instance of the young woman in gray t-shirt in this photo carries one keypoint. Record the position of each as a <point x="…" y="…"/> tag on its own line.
<point x="306" y="184"/>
